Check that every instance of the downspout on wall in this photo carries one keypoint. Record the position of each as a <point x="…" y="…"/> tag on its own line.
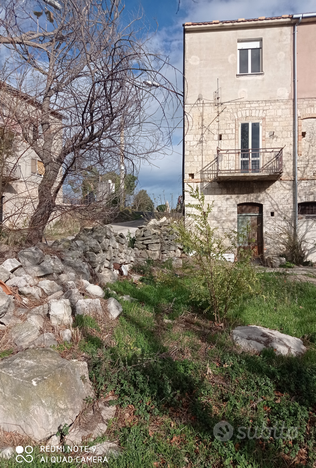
<point x="183" y="125"/>
<point x="295" y="118"/>
<point x="299" y="18"/>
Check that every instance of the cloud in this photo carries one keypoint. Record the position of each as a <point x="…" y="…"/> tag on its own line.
<point x="168" y="40"/>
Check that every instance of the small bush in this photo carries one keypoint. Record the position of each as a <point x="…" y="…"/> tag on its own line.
<point x="216" y="283"/>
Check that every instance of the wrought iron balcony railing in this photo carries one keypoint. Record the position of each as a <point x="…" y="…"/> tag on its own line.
<point x="240" y="164"/>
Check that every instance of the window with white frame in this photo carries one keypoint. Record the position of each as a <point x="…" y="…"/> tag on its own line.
<point x="250" y="144"/>
<point x="249" y="57"/>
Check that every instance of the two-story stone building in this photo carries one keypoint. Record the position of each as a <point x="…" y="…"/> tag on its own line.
<point x="250" y="136"/>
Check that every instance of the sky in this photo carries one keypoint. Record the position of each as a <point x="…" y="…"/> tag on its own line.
<point x="163" y="19"/>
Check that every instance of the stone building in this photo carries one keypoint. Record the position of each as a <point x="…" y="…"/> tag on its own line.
<point x="21" y="170"/>
<point x="250" y="136"/>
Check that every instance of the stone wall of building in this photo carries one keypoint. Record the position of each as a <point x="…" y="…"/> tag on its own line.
<point x="208" y="123"/>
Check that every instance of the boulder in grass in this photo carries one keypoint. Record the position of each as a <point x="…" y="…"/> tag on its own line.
<point x="255" y="338"/>
<point x="40" y="391"/>
<point x="88" y="307"/>
<point x="114" y="307"/>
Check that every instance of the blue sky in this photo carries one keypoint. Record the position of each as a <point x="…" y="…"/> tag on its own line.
<point x="164" y="19"/>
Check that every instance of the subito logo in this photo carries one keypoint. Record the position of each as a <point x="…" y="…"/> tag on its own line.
<point x="28" y="458"/>
<point x="223" y="431"/>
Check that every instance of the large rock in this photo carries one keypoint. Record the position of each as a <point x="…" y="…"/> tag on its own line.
<point x="114" y="308"/>
<point x="31" y="256"/>
<point x="255" y="338"/>
<point x="40" y="391"/>
<point x="6" y="303"/>
<point x="107" y="276"/>
<point x="95" y="290"/>
<point x="92" y="423"/>
<point x="40" y="310"/>
<point x="49" y="287"/>
<point x="60" y="312"/>
<point x="11" y="264"/>
<point x="21" y="281"/>
<point x="23" y="334"/>
<point x="32" y="291"/>
<point x="88" y="307"/>
<point x="44" y="269"/>
<point x="4" y="274"/>
<point x="46" y="340"/>
<point x="77" y="266"/>
<point x="55" y="263"/>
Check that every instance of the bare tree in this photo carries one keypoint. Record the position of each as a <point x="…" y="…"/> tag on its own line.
<point x="76" y="59"/>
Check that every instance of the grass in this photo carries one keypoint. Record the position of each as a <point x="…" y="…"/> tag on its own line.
<point x="287" y="306"/>
<point x="175" y="374"/>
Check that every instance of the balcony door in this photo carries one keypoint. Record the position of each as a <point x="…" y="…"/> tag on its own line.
<point x="250" y="143"/>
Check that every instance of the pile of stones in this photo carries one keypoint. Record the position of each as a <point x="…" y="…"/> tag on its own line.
<point x="158" y="241"/>
<point x="97" y="252"/>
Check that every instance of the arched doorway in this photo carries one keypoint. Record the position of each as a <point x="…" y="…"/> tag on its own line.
<point x="250" y="227"/>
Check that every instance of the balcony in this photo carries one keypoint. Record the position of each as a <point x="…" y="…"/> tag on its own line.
<point x="242" y="165"/>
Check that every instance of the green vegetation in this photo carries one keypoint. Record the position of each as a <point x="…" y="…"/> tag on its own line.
<point x="216" y="283"/>
<point x="175" y="373"/>
<point x="142" y="201"/>
<point x="5" y="353"/>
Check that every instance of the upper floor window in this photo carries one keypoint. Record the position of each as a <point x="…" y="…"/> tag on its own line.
<point x="249" y="57"/>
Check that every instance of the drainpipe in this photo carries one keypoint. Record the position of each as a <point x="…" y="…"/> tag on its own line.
<point x="183" y="125"/>
<point x="295" y="143"/>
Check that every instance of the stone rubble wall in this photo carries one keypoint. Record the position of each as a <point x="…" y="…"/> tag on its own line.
<point x="157" y="241"/>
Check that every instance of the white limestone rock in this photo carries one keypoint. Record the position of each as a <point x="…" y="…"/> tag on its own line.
<point x="88" y="307"/>
<point x="4" y="274"/>
<point x="40" y="391"/>
<point x="114" y="307"/>
<point x="21" y="281"/>
<point x="23" y="334"/>
<point x="32" y="291"/>
<point x="6" y="304"/>
<point x="60" y="312"/>
<point x="95" y="290"/>
<point x="49" y="287"/>
<point x="255" y="338"/>
<point x="11" y="264"/>
<point x="66" y="335"/>
<point x="46" y="340"/>
<point x="36" y="320"/>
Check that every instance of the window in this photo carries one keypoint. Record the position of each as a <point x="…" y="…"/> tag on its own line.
<point x="249" y="57"/>
<point x="307" y="209"/>
<point x="37" y="167"/>
<point x="250" y="138"/>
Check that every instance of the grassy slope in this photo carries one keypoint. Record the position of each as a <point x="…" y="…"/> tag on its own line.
<point x="173" y="381"/>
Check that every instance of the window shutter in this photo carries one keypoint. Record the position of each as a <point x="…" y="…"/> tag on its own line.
<point x="34" y="166"/>
<point x="40" y="168"/>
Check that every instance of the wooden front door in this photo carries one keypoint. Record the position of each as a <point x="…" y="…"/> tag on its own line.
<point x="250" y="227"/>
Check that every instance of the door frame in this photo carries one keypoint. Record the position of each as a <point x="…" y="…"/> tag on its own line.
<point x="253" y="209"/>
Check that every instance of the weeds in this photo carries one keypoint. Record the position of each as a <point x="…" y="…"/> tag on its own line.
<point x="216" y="283"/>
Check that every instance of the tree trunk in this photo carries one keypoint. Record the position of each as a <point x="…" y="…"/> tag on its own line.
<point x="46" y="204"/>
